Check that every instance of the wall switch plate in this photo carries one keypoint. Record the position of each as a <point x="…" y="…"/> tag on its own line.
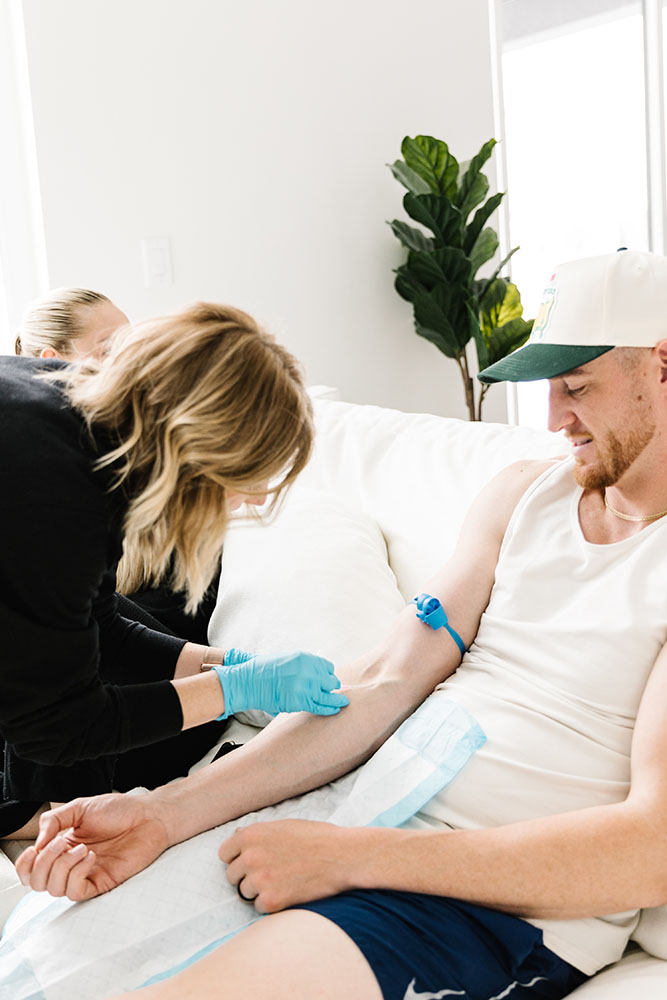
<point x="156" y="253"/>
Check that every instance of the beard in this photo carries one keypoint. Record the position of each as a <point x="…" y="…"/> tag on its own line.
<point x="615" y="456"/>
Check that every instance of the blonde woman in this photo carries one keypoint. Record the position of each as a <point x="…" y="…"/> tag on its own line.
<point x="74" y="324"/>
<point x="144" y="453"/>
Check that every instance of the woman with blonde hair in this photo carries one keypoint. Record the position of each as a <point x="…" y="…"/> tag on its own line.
<point x="75" y="324"/>
<point x="141" y="455"/>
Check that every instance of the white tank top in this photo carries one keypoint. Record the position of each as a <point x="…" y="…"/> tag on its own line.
<point x="555" y="678"/>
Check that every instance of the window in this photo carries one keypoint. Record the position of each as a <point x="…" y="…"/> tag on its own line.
<point x="573" y="77"/>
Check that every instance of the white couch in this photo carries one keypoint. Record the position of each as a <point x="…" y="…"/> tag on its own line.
<point x="375" y="513"/>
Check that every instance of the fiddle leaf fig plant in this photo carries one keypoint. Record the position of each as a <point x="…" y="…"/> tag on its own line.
<point x="451" y="305"/>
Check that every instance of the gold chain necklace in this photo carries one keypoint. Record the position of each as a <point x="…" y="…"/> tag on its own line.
<point x="630" y="517"/>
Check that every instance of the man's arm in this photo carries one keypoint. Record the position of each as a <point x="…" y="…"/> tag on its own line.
<point x="295" y="753"/>
<point x="584" y="863"/>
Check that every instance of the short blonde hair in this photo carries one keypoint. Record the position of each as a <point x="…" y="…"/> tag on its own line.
<point x="194" y="404"/>
<point x="54" y="321"/>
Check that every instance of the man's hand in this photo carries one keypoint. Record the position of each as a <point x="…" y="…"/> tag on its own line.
<point x="281" y="863"/>
<point x="90" y="846"/>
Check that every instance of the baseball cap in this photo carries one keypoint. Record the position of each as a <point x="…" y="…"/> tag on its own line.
<point x="588" y="307"/>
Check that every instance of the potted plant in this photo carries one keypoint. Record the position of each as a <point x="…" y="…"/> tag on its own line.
<point x="451" y="304"/>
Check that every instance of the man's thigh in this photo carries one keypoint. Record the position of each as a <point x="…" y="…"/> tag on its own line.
<point x="293" y="955"/>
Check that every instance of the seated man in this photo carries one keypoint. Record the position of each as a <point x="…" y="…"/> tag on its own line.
<point x="524" y="875"/>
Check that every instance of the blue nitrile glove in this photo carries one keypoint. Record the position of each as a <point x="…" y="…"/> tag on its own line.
<point x="233" y="656"/>
<point x="289" y="682"/>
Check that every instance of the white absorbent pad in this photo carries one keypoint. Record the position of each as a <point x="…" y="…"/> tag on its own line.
<point x="182" y="905"/>
<point x="178" y="908"/>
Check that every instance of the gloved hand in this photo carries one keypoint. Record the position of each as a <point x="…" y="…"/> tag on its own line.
<point x="233" y="656"/>
<point x="289" y="682"/>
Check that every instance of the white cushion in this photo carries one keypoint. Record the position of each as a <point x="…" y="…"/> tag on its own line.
<point x="315" y="578"/>
<point x="636" y="977"/>
<point x="414" y="473"/>
<point x="651" y="932"/>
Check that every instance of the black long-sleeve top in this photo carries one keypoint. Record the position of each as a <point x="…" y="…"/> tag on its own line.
<point x="77" y="681"/>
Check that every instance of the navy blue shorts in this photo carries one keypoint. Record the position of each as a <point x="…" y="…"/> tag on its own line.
<point x="422" y="947"/>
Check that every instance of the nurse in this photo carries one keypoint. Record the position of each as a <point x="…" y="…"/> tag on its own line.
<point x="140" y="454"/>
<point x="75" y="324"/>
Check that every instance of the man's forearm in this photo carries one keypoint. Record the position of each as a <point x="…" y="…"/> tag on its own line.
<point x="296" y="753"/>
<point x="580" y="864"/>
<point x="292" y="755"/>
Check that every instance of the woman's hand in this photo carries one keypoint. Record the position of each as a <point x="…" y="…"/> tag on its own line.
<point x="284" y="862"/>
<point x="90" y="846"/>
<point x="289" y="682"/>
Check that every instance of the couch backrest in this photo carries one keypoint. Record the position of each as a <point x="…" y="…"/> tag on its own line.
<point x="415" y="474"/>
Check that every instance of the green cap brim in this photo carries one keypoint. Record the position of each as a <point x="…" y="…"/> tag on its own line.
<point x="536" y="361"/>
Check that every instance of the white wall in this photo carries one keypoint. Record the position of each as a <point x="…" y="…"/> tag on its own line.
<point x="255" y="135"/>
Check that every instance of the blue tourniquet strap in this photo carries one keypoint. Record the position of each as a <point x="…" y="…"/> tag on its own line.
<point x="431" y="612"/>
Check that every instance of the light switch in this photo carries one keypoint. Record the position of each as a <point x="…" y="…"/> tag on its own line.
<point x="156" y="253"/>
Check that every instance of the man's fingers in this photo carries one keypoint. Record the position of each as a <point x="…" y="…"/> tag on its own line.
<point x="43" y="864"/>
<point x="236" y="872"/>
<point x="53" y="822"/>
<point x="229" y="848"/>
<point x="79" y="886"/>
<point x="61" y="868"/>
<point x="24" y="864"/>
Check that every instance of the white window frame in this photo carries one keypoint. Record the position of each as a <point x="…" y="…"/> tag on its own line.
<point x="23" y="264"/>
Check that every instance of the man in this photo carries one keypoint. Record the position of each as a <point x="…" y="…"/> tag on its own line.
<point x="558" y="588"/>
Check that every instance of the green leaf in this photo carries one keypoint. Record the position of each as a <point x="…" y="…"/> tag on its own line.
<point x="484" y="248"/>
<point x="431" y="160"/>
<point x="410" y="237"/>
<point x="477" y="193"/>
<point x="491" y="304"/>
<point x="511" y="307"/>
<point x="473" y="184"/>
<point x="408" y="178"/>
<point x="406" y="283"/>
<point x="438" y="214"/>
<point x="500" y="305"/>
<point x="432" y="324"/>
<point x="507" y="338"/>
<point x="442" y="316"/>
<point x="446" y="266"/>
<point x="480" y="217"/>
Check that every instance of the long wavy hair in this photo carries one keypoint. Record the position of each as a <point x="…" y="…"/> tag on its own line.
<point x="196" y="404"/>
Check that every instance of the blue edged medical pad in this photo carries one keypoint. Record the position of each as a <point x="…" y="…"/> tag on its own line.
<point x="181" y="906"/>
<point x="416" y="763"/>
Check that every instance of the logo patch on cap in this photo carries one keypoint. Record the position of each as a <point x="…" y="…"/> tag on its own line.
<point x="544" y="312"/>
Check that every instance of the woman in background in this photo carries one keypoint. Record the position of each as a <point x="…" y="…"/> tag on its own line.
<point x="69" y="323"/>
<point x="142" y="453"/>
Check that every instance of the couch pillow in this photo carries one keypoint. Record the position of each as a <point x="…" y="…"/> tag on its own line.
<point x="415" y="473"/>
<point x="651" y="931"/>
<point x="315" y="577"/>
